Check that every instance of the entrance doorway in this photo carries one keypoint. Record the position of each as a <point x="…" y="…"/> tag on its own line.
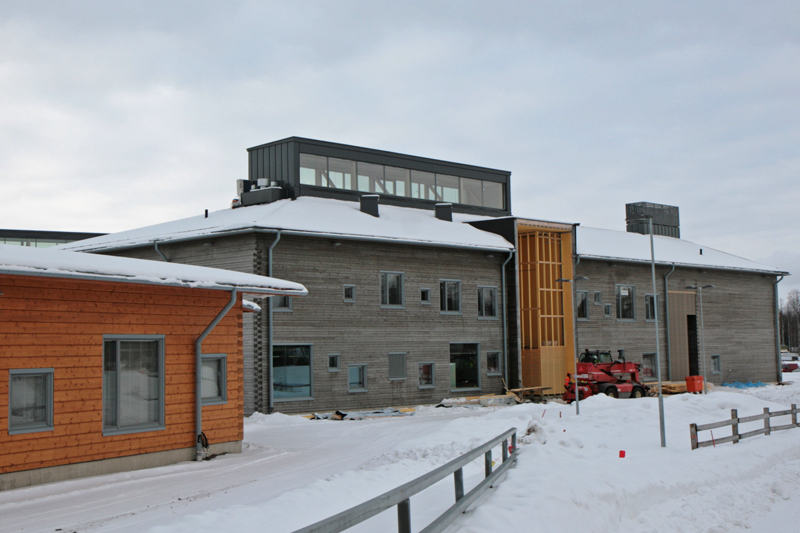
<point x="694" y="360"/>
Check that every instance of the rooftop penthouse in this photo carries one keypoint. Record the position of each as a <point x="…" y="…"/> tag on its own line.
<point x="304" y="167"/>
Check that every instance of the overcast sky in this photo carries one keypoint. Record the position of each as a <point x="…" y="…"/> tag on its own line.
<point x="116" y="115"/>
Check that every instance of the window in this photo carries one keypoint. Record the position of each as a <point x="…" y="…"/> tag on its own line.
<point x="214" y="384"/>
<point x="314" y="170"/>
<point x="349" y="293"/>
<point x="30" y="400"/>
<point x="427" y="376"/>
<point x="464" y="366"/>
<point x="471" y="191"/>
<point x="650" y="307"/>
<point x="607" y="310"/>
<point x="450" y="296"/>
<point x="423" y="185"/>
<point x="493" y="194"/>
<point x="487" y="302"/>
<point x="649" y="366"/>
<point x="397" y="365"/>
<point x="370" y="177"/>
<point x="341" y="173"/>
<point x="447" y="188"/>
<point x="425" y="296"/>
<point x="333" y="362"/>
<point x="582" y="304"/>
<point x="282" y="304"/>
<point x="493" y="364"/>
<point x="133" y="383"/>
<point x="391" y="289"/>
<point x="716" y="364"/>
<point x="598" y="298"/>
<point x="625" y="299"/>
<point x="291" y="367"/>
<point x="357" y="378"/>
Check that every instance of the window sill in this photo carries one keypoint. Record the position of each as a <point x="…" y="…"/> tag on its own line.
<point x="466" y="389"/>
<point x="357" y="391"/>
<point x="282" y="310"/>
<point x="428" y="387"/>
<point x="582" y="320"/>
<point x="393" y="306"/>
<point x="333" y="370"/>
<point x="110" y="432"/>
<point x="450" y="312"/>
<point x="626" y="320"/>
<point x="488" y="318"/>
<point x="215" y="401"/>
<point x="30" y="429"/>
<point x="494" y="374"/>
<point x="398" y="379"/>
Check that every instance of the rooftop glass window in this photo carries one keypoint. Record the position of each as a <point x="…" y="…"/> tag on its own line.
<point x="396" y="181"/>
<point x="314" y="170"/>
<point x="370" y="178"/>
<point x="342" y="173"/>
<point x="447" y="188"/>
<point x="423" y="185"/>
<point x="471" y="192"/>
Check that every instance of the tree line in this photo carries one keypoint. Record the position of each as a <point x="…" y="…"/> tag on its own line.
<point x="790" y="321"/>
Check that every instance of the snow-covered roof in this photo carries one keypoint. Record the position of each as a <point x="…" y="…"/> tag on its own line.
<point x="52" y="262"/>
<point x="307" y="215"/>
<point x="625" y="246"/>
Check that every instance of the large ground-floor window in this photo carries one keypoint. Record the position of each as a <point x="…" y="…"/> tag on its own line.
<point x="133" y="383"/>
<point x="465" y="368"/>
<point x="291" y="367"/>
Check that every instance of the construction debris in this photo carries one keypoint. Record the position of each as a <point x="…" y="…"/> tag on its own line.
<point x="361" y="415"/>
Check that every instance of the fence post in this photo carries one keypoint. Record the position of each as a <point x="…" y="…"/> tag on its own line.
<point x="766" y="421"/>
<point x="404" y="516"/>
<point x="693" y="435"/>
<point x="505" y="450"/>
<point x="487" y="463"/>
<point x="458" y="479"/>
<point x="794" y="414"/>
<point x="735" y="425"/>
<point x="514" y="442"/>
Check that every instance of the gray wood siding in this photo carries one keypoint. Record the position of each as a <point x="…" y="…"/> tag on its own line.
<point x="738" y="317"/>
<point x="364" y="333"/>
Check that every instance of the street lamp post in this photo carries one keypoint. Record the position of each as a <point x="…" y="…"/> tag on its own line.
<point x="649" y="219"/>
<point x="699" y="290"/>
<point x="575" y="332"/>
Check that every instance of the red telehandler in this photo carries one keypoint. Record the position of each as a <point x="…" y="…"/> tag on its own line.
<point x="598" y="373"/>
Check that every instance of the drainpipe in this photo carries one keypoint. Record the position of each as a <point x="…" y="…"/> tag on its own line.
<point x="198" y="370"/>
<point x="505" y="322"/>
<point x="778" y="329"/>
<point x="159" y="252"/>
<point x="271" y="406"/>
<point x="666" y="321"/>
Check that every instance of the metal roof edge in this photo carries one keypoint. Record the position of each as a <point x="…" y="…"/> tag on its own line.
<point x="684" y="265"/>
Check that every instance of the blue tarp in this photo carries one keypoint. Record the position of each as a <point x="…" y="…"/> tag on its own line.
<point x="740" y="385"/>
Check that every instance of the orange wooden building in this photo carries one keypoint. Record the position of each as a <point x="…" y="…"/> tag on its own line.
<point x="101" y="358"/>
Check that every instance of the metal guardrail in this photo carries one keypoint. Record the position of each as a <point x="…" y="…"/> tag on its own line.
<point x="401" y="495"/>
<point x="734" y="423"/>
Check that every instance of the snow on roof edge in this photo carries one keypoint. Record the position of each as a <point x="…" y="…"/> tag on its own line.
<point x="680" y="264"/>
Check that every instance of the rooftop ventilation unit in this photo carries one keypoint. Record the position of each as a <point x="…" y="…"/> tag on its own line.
<point x="666" y="221"/>
<point x="369" y="204"/>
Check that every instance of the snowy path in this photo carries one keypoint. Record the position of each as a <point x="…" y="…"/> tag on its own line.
<point x="569" y="476"/>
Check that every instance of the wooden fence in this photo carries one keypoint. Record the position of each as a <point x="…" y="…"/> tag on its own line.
<point x="734" y="423"/>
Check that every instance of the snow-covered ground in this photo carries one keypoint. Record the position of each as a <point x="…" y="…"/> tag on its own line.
<point x="569" y="476"/>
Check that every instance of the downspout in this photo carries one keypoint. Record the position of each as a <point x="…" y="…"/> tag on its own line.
<point x="505" y="318"/>
<point x="666" y="320"/>
<point x="778" y="329"/>
<point x="198" y="370"/>
<point x="159" y="252"/>
<point x="271" y="405"/>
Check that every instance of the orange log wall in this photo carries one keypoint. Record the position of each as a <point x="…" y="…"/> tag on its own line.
<point x="60" y="323"/>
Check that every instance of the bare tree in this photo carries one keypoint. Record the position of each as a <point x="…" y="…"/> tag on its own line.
<point x="790" y="320"/>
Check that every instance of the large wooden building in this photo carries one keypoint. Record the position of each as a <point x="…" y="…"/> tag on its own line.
<point x="101" y="358"/>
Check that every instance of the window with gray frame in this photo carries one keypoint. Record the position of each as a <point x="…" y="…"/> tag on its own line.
<point x="356" y="378"/>
<point x="427" y="376"/>
<point x="214" y="385"/>
<point x="465" y="368"/>
<point x="397" y="365"/>
<point x="391" y="289"/>
<point x="425" y="296"/>
<point x="582" y="305"/>
<point x="625" y="302"/>
<point x="450" y="296"/>
<point x="716" y="364"/>
<point x="650" y="307"/>
<point x="282" y="304"/>
<point x="349" y="293"/>
<point x="607" y="310"/>
<point x="598" y="298"/>
<point x="30" y="400"/>
<point x="487" y="302"/>
<point x="291" y="368"/>
<point x="133" y="383"/>
<point x="333" y="362"/>
<point x="493" y="364"/>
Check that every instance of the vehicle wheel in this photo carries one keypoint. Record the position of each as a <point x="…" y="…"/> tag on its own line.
<point x="637" y="392"/>
<point x="612" y="392"/>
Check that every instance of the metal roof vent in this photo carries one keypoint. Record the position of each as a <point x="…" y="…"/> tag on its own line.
<point x="369" y="204"/>
<point x="666" y="219"/>
<point x="444" y="212"/>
